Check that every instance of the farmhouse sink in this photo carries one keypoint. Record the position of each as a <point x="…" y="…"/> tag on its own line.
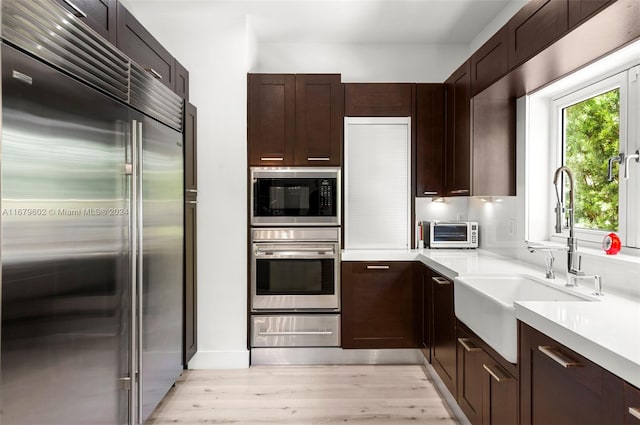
<point x="486" y="305"/>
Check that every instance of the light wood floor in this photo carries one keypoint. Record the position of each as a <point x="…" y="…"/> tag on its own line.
<point x="304" y="395"/>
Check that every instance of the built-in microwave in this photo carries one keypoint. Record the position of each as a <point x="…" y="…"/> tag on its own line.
<point x="301" y="196"/>
<point x="459" y="234"/>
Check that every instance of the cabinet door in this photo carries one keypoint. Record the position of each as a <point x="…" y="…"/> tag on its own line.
<point x="490" y="62"/>
<point x="499" y="395"/>
<point x="423" y="277"/>
<point x="494" y="146"/>
<point x="377" y="305"/>
<point x="558" y="386"/>
<point x="182" y="81"/>
<point x="190" y="330"/>
<point x="190" y="149"/>
<point x="580" y="10"/>
<point x="538" y="24"/>
<point x="631" y="408"/>
<point x="319" y="119"/>
<point x="100" y="15"/>
<point x="471" y="357"/>
<point x="378" y="99"/>
<point x="458" y="151"/>
<point x="443" y="348"/>
<point x="138" y="43"/>
<point x="430" y="140"/>
<point x="271" y="119"/>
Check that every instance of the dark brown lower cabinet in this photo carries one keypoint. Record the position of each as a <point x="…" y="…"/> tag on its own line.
<point x="487" y="383"/>
<point x="422" y="276"/>
<point x="378" y="305"/>
<point x="631" y="408"/>
<point x="190" y="330"/>
<point x="443" y="335"/>
<point x="559" y="386"/>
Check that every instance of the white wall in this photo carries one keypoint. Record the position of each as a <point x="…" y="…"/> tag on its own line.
<point x="412" y="63"/>
<point x="211" y="43"/>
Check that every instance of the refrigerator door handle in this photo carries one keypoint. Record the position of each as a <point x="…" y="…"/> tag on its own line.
<point x="133" y="269"/>
<point x="140" y="266"/>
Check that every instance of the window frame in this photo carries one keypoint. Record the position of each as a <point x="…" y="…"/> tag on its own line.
<point x="572" y="96"/>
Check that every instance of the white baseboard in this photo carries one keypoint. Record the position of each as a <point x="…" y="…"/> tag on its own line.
<point x="220" y="360"/>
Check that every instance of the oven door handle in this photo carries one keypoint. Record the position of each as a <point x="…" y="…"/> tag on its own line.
<point x="286" y="333"/>
<point x="301" y="251"/>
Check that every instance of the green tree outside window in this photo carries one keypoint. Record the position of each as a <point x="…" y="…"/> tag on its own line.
<point x="592" y="136"/>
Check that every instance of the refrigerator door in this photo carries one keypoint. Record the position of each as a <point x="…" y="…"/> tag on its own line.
<point x="65" y="256"/>
<point x="161" y="268"/>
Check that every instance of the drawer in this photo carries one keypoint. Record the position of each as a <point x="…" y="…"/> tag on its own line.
<point x="296" y="330"/>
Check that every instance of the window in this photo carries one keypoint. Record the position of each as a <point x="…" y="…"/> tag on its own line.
<point x="591" y="128"/>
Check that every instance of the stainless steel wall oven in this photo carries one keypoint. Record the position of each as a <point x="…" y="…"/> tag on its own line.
<point x="295" y="269"/>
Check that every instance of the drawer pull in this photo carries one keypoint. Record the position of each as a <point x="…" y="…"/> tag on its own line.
<point x="288" y="333"/>
<point x="497" y="375"/>
<point x="441" y="280"/>
<point x="78" y="12"/>
<point x="275" y="158"/>
<point x="469" y="345"/>
<point x="191" y="190"/>
<point x="377" y="267"/>
<point x="429" y="193"/>
<point x="558" y="357"/>
<point x="321" y="158"/>
<point x="459" y="191"/>
<point x="153" y="72"/>
<point x="635" y="412"/>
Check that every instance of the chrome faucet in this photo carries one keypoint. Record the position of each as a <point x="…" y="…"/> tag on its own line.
<point x="549" y="259"/>
<point x="574" y="261"/>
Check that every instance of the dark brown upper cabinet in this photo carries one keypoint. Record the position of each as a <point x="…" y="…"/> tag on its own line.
<point x="494" y="146"/>
<point x="378" y="305"/>
<point x="271" y="118"/>
<point x="190" y="149"/>
<point x="430" y="140"/>
<point x="100" y="15"/>
<point x="138" y="43"/>
<point x="580" y="10"/>
<point x="534" y="27"/>
<point x="319" y="119"/>
<point x="295" y="119"/>
<point x="182" y="81"/>
<point x="490" y="62"/>
<point x="378" y="99"/>
<point x="458" y="132"/>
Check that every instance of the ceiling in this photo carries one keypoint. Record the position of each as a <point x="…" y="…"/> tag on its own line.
<point x="363" y="21"/>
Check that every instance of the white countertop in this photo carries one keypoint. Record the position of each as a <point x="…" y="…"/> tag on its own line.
<point x="606" y="332"/>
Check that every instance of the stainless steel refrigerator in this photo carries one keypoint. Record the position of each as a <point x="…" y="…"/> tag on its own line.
<point x="91" y="245"/>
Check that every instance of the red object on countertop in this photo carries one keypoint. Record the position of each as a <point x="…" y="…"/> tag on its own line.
<point x="611" y="244"/>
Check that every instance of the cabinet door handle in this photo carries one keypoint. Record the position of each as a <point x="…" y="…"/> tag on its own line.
<point x="635" y="412"/>
<point x="558" y="357"/>
<point x="460" y="191"/>
<point x="370" y="267"/>
<point x="441" y="280"/>
<point x="153" y="72"/>
<point x="191" y="190"/>
<point x="78" y="12"/>
<point x="469" y="345"/>
<point x="275" y="158"/>
<point x="319" y="158"/>
<point x="429" y="193"/>
<point x="496" y="374"/>
<point x="190" y="202"/>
